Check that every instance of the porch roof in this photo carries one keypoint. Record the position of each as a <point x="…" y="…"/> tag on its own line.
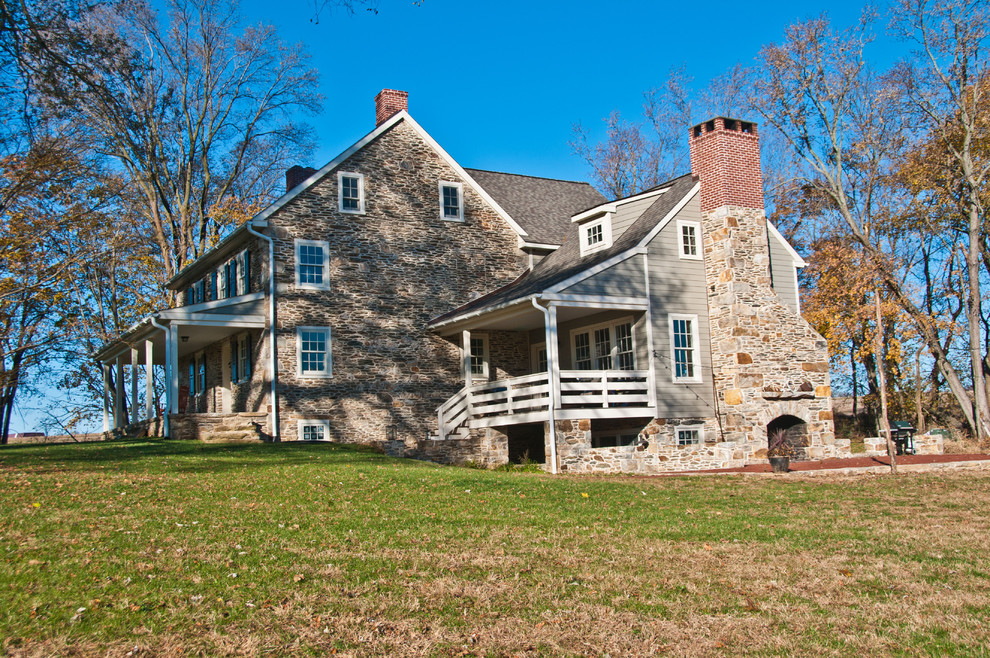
<point x="567" y="261"/>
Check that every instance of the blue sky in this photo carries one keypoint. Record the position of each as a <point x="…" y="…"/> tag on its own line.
<point x="500" y="84"/>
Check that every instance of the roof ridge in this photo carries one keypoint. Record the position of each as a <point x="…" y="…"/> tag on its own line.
<point x="509" y="173"/>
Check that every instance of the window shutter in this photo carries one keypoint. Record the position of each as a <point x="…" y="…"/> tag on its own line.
<point x="235" y="353"/>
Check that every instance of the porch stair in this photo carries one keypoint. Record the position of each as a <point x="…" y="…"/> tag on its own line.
<point x="526" y="399"/>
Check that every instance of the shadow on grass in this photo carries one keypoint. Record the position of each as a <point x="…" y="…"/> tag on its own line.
<point x="190" y="456"/>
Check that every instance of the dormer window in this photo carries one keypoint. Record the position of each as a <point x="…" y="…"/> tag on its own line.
<point x="350" y="192"/>
<point x="451" y="201"/>
<point x="688" y="238"/>
<point x="596" y="234"/>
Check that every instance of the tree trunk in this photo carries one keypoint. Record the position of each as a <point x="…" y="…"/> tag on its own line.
<point x="884" y="421"/>
<point x="917" y="393"/>
<point x="855" y="379"/>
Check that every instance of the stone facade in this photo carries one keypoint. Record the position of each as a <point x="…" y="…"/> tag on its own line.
<point x="392" y="269"/>
<point x="220" y="428"/>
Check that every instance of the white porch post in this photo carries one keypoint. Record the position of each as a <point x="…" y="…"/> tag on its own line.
<point x="173" y="369"/>
<point x="652" y="378"/>
<point x="119" y="420"/>
<point x="466" y="367"/>
<point x="553" y="362"/>
<point x="134" y="385"/>
<point x="106" y="396"/>
<point x="149" y="379"/>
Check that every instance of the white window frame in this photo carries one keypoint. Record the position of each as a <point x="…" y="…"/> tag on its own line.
<point x="534" y="353"/>
<point x="460" y="200"/>
<point x="590" y="330"/>
<point x="695" y="349"/>
<point x="700" y="429"/>
<point x="325" y="424"/>
<point x="200" y="360"/>
<point x="606" y="224"/>
<point x="484" y="357"/>
<point x="239" y="342"/>
<point x="697" y="240"/>
<point x="242" y="285"/>
<point x="326" y="264"/>
<point x="328" y="372"/>
<point x="340" y="192"/>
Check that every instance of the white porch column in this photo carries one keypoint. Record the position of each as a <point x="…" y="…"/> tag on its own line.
<point x="119" y="419"/>
<point x="106" y="396"/>
<point x="149" y="379"/>
<point x="134" y="385"/>
<point x="466" y="356"/>
<point x="173" y="369"/>
<point x="553" y="355"/>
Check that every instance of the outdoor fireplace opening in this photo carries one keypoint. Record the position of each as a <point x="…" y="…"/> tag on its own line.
<point x="795" y="433"/>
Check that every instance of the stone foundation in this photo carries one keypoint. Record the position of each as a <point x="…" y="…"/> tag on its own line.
<point x="220" y="428"/>
<point x="487" y="447"/>
<point x="924" y="444"/>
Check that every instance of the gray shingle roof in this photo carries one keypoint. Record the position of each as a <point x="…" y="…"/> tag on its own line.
<point x="542" y="206"/>
<point x="567" y="260"/>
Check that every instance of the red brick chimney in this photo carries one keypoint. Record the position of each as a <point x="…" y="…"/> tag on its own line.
<point x="388" y="103"/>
<point x="725" y="156"/>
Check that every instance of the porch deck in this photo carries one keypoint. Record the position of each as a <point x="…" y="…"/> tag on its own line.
<point x="526" y="399"/>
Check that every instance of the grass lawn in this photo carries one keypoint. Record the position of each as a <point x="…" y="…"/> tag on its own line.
<point x="180" y="547"/>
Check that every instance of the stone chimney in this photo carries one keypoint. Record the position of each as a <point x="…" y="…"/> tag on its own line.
<point x="388" y="103"/>
<point x="770" y="367"/>
<point x="295" y="175"/>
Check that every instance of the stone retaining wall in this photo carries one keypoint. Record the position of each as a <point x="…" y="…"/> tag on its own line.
<point x="220" y="428"/>
<point x="924" y="444"/>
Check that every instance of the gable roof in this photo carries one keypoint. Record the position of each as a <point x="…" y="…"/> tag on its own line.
<point x="567" y="262"/>
<point x="542" y="206"/>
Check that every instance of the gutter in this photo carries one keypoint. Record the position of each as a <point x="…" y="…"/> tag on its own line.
<point x="168" y="373"/>
<point x="273" y="338"/>
<point x="550" y="398"/>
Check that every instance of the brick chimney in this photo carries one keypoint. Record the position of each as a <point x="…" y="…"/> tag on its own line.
<point x="295" y="175"/>
<point x="725" y="156"/>
<point x="388" y="103"/>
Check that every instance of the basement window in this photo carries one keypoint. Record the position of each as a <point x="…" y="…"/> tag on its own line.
<point x="689" y="435"/>
<point x="314" y="430"/>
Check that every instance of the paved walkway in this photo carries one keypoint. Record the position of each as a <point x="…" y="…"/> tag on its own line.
<point x="859" y="465"/>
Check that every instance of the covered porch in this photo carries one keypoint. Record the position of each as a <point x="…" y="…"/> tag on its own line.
<point x="143" y="366"/>
<point x="590" y="358"/>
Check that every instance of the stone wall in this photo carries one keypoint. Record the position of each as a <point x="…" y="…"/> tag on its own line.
<point x="392" y="269"/>
<point x="487" y="447"/>
<point x="924" y="444"/>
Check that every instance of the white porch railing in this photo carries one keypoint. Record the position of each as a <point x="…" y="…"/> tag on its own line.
<point x="582" y="393"/>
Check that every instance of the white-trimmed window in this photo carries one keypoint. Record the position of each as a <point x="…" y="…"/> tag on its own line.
<point x="479" y="357"/>
<point x="596" y="235"/>
<point x="313" y="264"/>
<point x="690" y="435"/>
<point x="604" y="347"/>
<point x="689" y="239"/>
<point x="314" y="430"/>
<point x="201" y="375"/>
<point x="313" y="355"/>
<point x="451" y="201"/>
<point x="244" y="358"/>
<point x="539" y="357"/>
<point x="243" y="271"/>
<point x="685" y="355"/>
<point x="350" y="195"/>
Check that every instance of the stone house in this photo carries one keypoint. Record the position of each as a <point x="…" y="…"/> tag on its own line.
<point x="395" y="298"/>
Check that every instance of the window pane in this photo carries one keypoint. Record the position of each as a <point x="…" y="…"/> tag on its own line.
<point x="451" y="207"/>
<point x="603" y="349"/>
<point x="311" y="264"/>
<point x="477" y="356"/>
<point x="314" y="432"/>
<point x="541" y="360"/>
<point x="688" y="437"/>
<point x="350" y="193"/>
<point x="245" y="357"/>
<point x="596" y="234"/>
<point x="683" y="349"/>
<point x="624" y="346"/>
<point x="689" y="243"/>
<point x="313" y="351"/>
<point x="582" y="351"/>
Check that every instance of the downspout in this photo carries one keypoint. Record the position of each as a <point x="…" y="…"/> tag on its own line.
<point x="550" y="398"/>
<point x="168" y="375"/>
<point x="273" y="338"/>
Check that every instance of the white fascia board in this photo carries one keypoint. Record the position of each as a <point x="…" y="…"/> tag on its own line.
<point x="597" y="301"/>
<point x="482" y="311"/>
<point x="463" y="174"/>
<point x="210" y="320"/>
<point x="798" y="261"/>
<point x="219" y="303"/>
<point x="591" y="271"/>
<point x="537" y="245"/>
<point x="612" y="205"/>
<point x="670" y="215"/>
